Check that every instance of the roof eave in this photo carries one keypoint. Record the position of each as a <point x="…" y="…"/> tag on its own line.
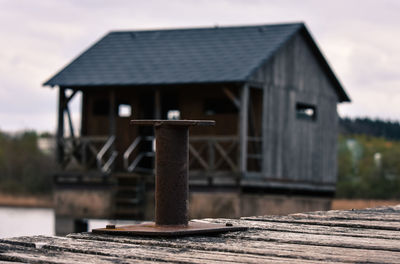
<point x="343" y="97"/>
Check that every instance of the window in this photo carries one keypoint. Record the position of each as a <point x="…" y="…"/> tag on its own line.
<point x="124" y="110"/>
<point x="214" y="106"/>
<point x="306" y="111"/>
<point x="174" y="115"/>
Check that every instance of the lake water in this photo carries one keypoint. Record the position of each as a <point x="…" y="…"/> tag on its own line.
<point x="26" y="221"/>
<point x="16" y="221"/>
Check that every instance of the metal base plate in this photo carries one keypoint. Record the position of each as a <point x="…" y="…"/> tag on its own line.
<point x="151" y="229"/>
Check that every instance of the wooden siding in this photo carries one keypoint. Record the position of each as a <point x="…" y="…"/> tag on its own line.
<point x="296" y="149"/>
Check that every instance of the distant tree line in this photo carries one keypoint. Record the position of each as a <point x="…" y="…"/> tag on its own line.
<point x="368" y="167"/>
<point x="368" y="159"/>
<point x="366" y="126"/>
<point x="24" y="168"/>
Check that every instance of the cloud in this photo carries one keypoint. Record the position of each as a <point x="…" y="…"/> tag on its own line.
<point x="359" y="39"/>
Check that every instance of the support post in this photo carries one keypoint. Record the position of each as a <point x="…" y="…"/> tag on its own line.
<point x="172" y="175"/>
<point x="243" y="127"/>
<point x="111" y="117"/>
<point x="264" y="131"/>
<point x="84" y="113"/>
<point x="60" y="126"/>
<point x="157" y="104"/>
<point x="111" y="114"/>
<point x="70" y="124"/>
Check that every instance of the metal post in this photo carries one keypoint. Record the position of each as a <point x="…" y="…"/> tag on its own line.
<point x="171" y="174"/>
<point x="172" y="188"/>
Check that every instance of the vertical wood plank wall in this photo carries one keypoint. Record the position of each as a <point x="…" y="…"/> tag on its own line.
<point x="297" y="149"/>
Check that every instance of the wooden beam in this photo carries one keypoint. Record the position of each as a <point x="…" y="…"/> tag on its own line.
<point x="111" y="114"/>
<point x="197" y="156"/>
<point x="243" y="127"/>
<point x="71" y="126"/>
<point x="253" y="128"/>
<point x="225" y="157"/>
<point x="157" y="104"/>
<point x="231" y="96"/>
<point x="60" y="125"/>
<point x="113" y="125"/>
<point x="69" y="98"/>
<point x="264" y="131"/>
<point x="257" y="85"/>
<point x="84" y="113"/>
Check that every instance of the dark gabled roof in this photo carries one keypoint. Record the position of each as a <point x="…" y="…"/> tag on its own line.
<point x="181" y="56"/>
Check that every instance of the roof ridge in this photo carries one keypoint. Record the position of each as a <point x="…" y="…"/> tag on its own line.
<point x="207" y="28"/>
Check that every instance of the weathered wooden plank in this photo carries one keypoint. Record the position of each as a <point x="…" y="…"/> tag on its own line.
<point x="381" y="225"/>
<point x="314" y="229"/>
<point x="350" y="215"/>
<point x="300" y="238"/>
<point x="163" y="251"/>
<point x="239" y="245"/>
<point x="17" y="253"/>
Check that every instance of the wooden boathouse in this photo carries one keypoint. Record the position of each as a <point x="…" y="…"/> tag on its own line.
<point x="268" y="87"/>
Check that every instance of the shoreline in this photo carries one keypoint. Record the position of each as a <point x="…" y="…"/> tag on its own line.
<point x="26" y="201"/>
<point x="46" y="201"/>
<point x="348" y="204"/>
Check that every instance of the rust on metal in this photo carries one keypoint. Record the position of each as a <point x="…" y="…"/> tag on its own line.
<point x="172" y="189"/>
<point x="151" y="229"/>
<point x="187" y="123"/>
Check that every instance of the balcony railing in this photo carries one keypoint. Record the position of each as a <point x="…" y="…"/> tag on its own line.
<point x="89" y="152"/>
<point x="206" y="153"/>
<point x="214" y="153"/>
<point x="140" y="155"/>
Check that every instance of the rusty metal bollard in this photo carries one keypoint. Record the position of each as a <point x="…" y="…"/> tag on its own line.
<point x="172" y="189"/>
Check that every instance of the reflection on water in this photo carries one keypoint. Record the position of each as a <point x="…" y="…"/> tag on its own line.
<point x="26" y="221"/>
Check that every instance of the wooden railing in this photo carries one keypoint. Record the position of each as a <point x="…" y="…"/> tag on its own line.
<point x="93" y="152"/>
<point x="134" y="165"/>
<point x="217" y="153"/>
<point x="206" y="153"/>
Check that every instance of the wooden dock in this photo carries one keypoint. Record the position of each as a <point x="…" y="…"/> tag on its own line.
<point x="354" y="236"/>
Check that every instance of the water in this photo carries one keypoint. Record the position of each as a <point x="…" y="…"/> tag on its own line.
<point x="16" y="221"/>
<point x="26" y="221"/>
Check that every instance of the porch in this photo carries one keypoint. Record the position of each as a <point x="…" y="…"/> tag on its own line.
<point x="107" y="144"/>
<point x="209" y="156"/>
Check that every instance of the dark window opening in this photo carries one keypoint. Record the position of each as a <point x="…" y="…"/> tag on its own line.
<point x="101" y="107"/>
<point x="169" y="102"/>
<point x="306" y="111"/>
<point x="214" y="106"/>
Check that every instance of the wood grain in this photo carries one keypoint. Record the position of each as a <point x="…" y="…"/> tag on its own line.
<point x="358" y="236"/>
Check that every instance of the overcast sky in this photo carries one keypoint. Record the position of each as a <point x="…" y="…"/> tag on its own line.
<point x="360" y="39"/>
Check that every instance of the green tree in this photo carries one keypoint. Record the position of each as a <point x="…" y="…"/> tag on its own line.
<point x="23" y="167"/>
